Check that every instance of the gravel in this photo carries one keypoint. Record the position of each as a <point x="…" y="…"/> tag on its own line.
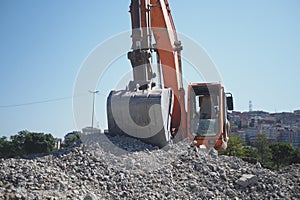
<point x="124" y="168"/>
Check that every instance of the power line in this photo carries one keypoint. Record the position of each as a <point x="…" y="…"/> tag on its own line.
<point x="45" y="101"/>
<point x="39" y="102"/>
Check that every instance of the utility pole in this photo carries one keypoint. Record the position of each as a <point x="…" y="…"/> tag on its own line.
<point x="93" y="92"/>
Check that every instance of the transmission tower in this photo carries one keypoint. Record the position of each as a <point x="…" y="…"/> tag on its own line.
<point x="250" y="106"/>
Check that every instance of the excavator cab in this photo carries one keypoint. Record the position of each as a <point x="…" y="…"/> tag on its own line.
<point x="207" y="115"/>
<point x="205" y="112"/>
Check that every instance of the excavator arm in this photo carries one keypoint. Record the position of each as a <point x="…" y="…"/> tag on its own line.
<point x="145" y="111"/>
<point x="155" y="112"/>
<point x="169" y="51"/>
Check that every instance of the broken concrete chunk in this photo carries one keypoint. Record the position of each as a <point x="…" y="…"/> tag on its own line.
<point x="247" y="179"/>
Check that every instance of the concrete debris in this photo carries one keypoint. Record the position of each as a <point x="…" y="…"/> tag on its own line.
<point x="247" y="179"/>
<point x="105" y="167"/>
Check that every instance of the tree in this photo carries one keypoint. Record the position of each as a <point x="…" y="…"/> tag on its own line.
<point x="262" y="148"/>
<point x="296" y="156"/>
<point x="17" y="142"/>
<point x="6" y="148"/>
<point x="38" y="143"/>
<point x="25" y="143"/>
<point x="234" y="147"/>
<point x="282" y="154"/>
<point x="71" y="140"/>
<point x="32" y="143"/>
<point x="248" y="151"/>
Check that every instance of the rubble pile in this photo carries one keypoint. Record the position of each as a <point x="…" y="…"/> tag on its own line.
<point x="125" y="168"/>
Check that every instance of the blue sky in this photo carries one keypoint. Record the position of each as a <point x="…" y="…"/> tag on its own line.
<point x="254" y="44"/>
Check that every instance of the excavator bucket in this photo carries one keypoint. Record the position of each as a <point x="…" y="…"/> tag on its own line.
<point x="143" y="114"/>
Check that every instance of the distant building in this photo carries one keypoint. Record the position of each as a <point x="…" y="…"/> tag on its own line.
<point x="90" y="130"/>
<point x="277" y="127"/>
<point x="271" y="134"/>
<point x="289" y="136"/>
<point x="57" y="144"/>
<point x="242" y="135"/>
<point x="297" y="139"/>
<point x="251" y="134"/>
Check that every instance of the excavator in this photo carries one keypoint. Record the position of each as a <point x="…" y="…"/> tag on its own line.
<point x="155" y="112"/>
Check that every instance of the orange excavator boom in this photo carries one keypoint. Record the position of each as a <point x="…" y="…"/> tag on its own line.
<point x="155" y="112"/>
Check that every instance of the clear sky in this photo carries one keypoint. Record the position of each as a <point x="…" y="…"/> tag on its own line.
<point x="254" y="44"/>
